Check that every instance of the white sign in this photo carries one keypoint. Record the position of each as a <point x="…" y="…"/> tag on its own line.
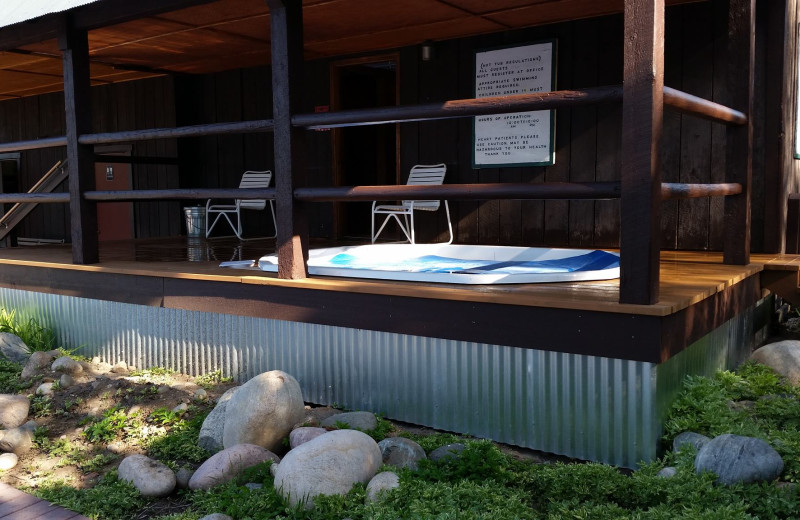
<point x="523" y="138"/>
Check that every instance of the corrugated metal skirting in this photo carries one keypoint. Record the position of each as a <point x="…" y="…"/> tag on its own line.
<point x="587" y="407"/>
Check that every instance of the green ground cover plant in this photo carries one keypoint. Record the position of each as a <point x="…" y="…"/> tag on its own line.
<point x="35" y="335"/>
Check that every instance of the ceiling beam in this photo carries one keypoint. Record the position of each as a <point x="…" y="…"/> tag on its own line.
<point x="88" y="17"/>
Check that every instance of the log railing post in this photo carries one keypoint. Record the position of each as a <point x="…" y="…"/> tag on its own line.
<point x="287" y="60"/>
<point x="74" y="46"/>
<point x="642" y="119"/>
<point x="739" y="139"/>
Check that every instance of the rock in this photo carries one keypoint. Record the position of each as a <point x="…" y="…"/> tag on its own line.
<point x="263" y="411"/>
<point x="216" y="516"/>
<point x="363" y="421"/>
<point x="96" y="360"/>
<point x="449" y="451"/>
<point x="67" y="365"/>
<point x="667" y="472"/>
<point x="200" y="394"/>
<point x="783" y="357"/>
<point x="401" y="453"/>
<point x="328" y="465"/>
<point x="8" y="461"/>
<point x="228" y="463"/>
<point x="120" y="368"/>
<point x="181" y="408"/>
<point x="13" y="410"/>
<point x="45" y="389"/>
<point x="30" y="426"/>
<point x="211" y="432"/>
<point x="37" y="362"/>
<point x="16" y="440"/>
<point x="734" y="458"/>
<point x="13" y="348"/>
<point x="150" y="477"/>
<point x="252" y="486"/>
<point x="163" y="389"/>
<point x="66" y="381"/>
<point x="273" y="469"/>
<point x="382" y="483"/>
<point x="304" y="434"/>
<point x="182" y="478"/>
<point x="695" y="439"/>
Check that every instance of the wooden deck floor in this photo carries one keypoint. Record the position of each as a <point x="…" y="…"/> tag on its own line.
<point x="686" y="277"/>
<point x="16" y="505"/>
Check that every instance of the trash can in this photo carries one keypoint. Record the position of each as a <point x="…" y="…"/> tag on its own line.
<point x="195" y="221"/>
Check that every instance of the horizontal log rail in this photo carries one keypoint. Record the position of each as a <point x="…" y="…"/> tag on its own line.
<point x="700" y="107"/>
<point x="35" y="144"/>
<point x="486" y="191"/>
<point x="181" y="194"/>
<point x="461" y="108"/>
<point x="237" y="127"/>
<point x="672" y="191"/>
<point x="39" y="198"/>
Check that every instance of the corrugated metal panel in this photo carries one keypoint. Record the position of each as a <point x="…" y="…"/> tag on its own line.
<point x="15" y="11"/>
<point x="586" y="407"/>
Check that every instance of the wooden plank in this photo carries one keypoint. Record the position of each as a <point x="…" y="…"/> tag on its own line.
<point x="287" y="59"/>
<point x="642" y="113"/>
<point x="793" y="225"/>
<point x="716" y="231"/>
<point x="609" y="131"/>
<point x="695" y="138"/>
<point x="75" y="48"/>
<point x="739" y="154"/>
<point x="583" y="149"/>
<point x="13" y="500"/>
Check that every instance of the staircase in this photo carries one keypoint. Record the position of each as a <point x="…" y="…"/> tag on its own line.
<point x="49" y="182"/>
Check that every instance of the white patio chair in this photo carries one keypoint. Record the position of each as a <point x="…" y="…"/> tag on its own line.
<point x="421" y="174"/>
<point x="250" y="179"/>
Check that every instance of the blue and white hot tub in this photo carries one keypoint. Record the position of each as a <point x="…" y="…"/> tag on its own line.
<point x="463" y="264"/>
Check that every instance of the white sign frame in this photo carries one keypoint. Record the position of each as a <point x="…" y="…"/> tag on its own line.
<point x="521" y="138"/>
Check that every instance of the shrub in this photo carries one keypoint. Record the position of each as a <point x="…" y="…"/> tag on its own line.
<point x="35" y="335"/>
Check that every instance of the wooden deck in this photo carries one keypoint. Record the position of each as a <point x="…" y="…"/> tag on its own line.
<point x="698" y="295"/>
<point x="16" y="505"/>
<point x="686" y="277"/>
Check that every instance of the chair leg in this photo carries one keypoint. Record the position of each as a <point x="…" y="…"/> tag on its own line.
<point x="412" y="228"/>
<point x="274" y="219"/>
<point x="449" y="223"/>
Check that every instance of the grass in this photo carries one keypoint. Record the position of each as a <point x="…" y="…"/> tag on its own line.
<point x="211" y="379"/>
<point x="10" y="382"/>
<point x="36" y="336"/>
<point x="110" y="499"/>
<point x="179" y="444"/>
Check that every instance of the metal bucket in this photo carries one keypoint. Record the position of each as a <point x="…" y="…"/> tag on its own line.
<point x="195" y="221"/>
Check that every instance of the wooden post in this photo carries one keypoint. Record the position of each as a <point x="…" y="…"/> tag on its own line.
<point x="74" y="46"/>
<point x="287" y="61"/>
<point x="642" y="119"/>
<point x="739" y="140"/>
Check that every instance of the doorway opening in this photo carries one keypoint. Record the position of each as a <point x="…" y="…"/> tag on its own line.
<point x="363" y="155"/>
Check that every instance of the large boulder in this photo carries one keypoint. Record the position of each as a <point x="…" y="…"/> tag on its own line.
<point x="381" y="483"/>
<point x="16" y="440"/>
<point x="13" y="410"/>
<point x="364" y="421"/>
<point x="401" y="453"/>
<point x="304" y="434"/>
<point x="66" y="365"/>
<point x="13" y="348"/>
<point x="150" y="477"/>
<point x="734" y="459"/>
<point x="214" y="423"/>
<point x="783" y="357"/>
<point x="448" y="451"/>
<point x="227" y="464"/>
<point x="689" y="438"/>
<point x="263" y="411"/>
<point x="37" y="362"/>
<point x="328" y="465"/>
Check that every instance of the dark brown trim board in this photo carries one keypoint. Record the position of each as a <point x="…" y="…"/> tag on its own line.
<point x="628" y="336"/>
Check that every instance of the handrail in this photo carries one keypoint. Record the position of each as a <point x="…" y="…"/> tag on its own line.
<point x="700" y="107"/>
<point x="460" y="108"/>
<point x="486" y="191"/>
<point x="34" y="144"/>
<point x="236" y="127"/>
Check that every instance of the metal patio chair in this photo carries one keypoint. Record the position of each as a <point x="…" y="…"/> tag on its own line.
<point x="250" y="179"/>
<point x="421" y="174"/>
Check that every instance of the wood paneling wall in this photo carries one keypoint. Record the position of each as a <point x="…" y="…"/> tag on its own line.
<point x="123" y="106"/>
<point x="587" y="139"/>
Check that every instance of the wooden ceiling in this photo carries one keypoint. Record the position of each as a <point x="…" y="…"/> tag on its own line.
<point x="229" y="34"/>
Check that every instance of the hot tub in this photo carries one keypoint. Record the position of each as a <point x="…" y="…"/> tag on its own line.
<point x="463" y="264"/>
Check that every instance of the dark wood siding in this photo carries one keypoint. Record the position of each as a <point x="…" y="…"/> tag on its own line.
<point x="587" y="139"/>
